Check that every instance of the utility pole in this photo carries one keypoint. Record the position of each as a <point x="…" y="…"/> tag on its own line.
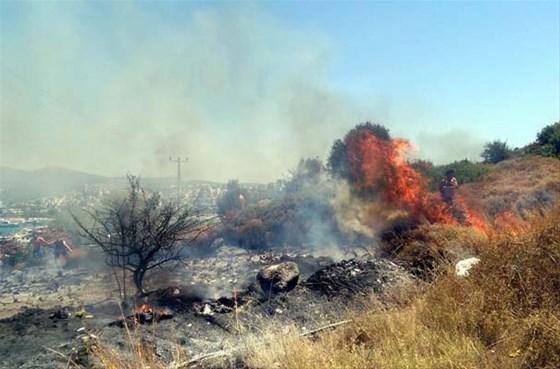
<point x="179" y="160"/>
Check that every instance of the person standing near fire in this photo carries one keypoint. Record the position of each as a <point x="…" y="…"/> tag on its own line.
<point x="447" y="187"/>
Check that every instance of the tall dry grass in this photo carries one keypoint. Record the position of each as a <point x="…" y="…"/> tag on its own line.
<point x="425" y="249"/>
<point x="520" y="186"/>
<point x="506" y="314"/>
<point x="140" y="352"/>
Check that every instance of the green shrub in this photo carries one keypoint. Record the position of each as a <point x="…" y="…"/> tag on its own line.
<point x="549" y="135"/>
<point x="465" y="171"/>
<point x="231" y="199"/>
<point x="547" y="143"/>
<point x="308" y="172"/>
<point x="549" y="139"/>
<point x="495" y="152"/>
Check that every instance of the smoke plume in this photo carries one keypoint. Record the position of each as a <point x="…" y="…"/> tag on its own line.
<point x="222" y="86"/>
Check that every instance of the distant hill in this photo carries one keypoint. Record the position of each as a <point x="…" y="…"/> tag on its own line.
<point x="21" y="185"/>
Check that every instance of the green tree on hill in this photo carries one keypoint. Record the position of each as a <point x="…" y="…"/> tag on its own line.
<point x="232" y="199"/>
<point x="495" y="152"/>
<point x="308" y="172"/>
<point x="549" y="138"/>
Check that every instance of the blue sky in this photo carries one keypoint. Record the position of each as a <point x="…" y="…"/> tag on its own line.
<point x="229" y="82"/>
<point x="492" y="66"/>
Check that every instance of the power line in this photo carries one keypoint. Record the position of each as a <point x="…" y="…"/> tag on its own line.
<point x="179" y="161"/>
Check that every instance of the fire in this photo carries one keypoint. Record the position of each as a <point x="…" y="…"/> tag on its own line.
<point x="472" y="218"/>
<point x="145" y="313"/>
<point x="144" y="309"/>
<point x="507" y="222"/>
<point x="379" y="168"/>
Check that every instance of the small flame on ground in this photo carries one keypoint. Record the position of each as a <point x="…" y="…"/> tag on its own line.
<point x="508" y="223"/>
<point x="144" y="309"/>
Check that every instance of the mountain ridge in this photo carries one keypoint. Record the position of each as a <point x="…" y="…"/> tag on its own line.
<point x="24" y="185"/>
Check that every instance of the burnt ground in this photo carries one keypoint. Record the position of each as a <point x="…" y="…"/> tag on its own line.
<point x="215" y="301"/>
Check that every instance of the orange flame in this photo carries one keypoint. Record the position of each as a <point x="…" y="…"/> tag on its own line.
<point x="144" y="309"/>
<point x="380" y="167"/>
<point x="507" y="222"/>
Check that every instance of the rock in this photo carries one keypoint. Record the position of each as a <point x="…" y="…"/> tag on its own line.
<point x="277" y="278"/>
<point x="463" y="266"/>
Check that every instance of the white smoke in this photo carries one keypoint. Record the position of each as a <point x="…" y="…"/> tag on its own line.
<point x="222" y="86"/>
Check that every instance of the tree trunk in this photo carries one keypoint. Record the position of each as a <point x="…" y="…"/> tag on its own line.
<point x="123" y="274"/>
<point x="139" y="281"/>
<point x="124" y="283"/>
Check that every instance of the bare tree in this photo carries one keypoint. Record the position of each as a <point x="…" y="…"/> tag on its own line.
<point x="141" y="232"/>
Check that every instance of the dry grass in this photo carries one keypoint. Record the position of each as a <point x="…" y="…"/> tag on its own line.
<point x="432" y="245"/>
<point x="376" y="339"/>
<point x="139" y="356"/>
<point x="506" y="314"/>
<point x="520" y="186"/>
<point x="140" y="353"/>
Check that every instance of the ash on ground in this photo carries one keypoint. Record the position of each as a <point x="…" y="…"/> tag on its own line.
<point x="212" y="301"/>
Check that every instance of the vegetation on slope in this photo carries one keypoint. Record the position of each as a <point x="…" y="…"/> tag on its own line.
<point x="505" y="314"/>
<point x="519" y="186"/>
<point x="465" y="170"/>
<point x="546" y="144"/>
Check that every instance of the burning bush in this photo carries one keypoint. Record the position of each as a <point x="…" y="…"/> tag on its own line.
<point x="376" y="167"/>
<point x="338" y="162"/>
<point x="380" y="172"/>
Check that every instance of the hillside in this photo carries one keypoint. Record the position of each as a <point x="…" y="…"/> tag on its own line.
<point x="21" y="185"/>
<point x="518" y="186"/>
